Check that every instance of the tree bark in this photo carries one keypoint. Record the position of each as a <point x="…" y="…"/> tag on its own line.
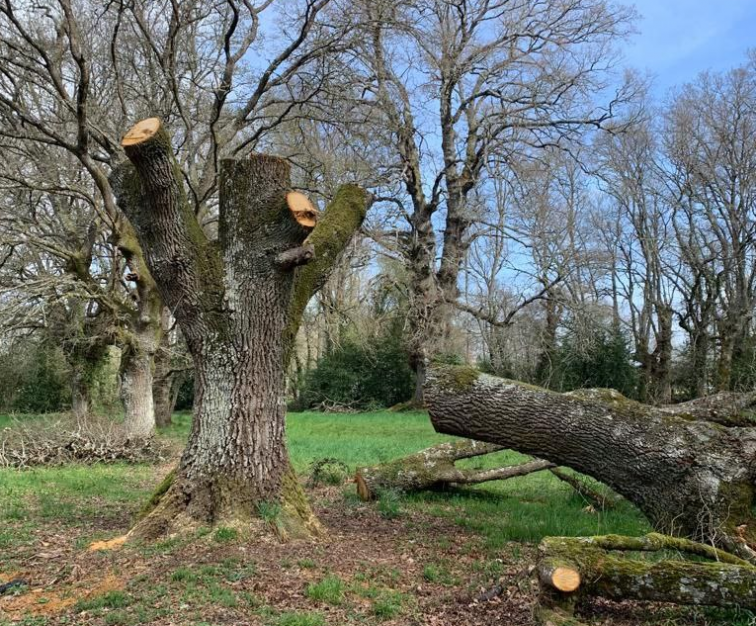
<point x="233" y="300"/>
<point x="434" y="468"/>
<point x="690" y="478"/>
<point x="571" y="568"/>
<point x="136" y="382"/>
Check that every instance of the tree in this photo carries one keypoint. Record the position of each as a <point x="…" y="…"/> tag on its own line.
<point x="690" y="476"/>
<point x="75" y="72"/>
<point x="505" y="80"/>
<point x="239" y="302"/>
<point x="710" y="147"/>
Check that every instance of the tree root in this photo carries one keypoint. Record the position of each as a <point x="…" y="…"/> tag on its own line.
<point x="170" y="511"/>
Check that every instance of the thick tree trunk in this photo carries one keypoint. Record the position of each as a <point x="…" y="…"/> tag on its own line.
<point x="434" y="468"/>
<point x="238" y="302"/>
<point x="690" y="478"/>
<point x="572" y="568"/>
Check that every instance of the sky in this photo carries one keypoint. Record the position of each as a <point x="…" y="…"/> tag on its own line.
<point x="677" y="39"/>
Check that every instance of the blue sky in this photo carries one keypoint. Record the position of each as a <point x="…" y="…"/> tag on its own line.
<point x="680" y="38"/>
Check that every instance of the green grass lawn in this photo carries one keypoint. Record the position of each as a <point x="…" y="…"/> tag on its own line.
<point x="86" y="503"/>
<point x="520" y="509"/>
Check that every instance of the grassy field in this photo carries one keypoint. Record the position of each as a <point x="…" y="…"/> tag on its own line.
<point x="462" y="540"/>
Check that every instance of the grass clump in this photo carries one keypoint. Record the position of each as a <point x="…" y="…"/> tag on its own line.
<point x="299" y="618"/>
<point x="225" y="535"/>
<point x="329" y="590"/>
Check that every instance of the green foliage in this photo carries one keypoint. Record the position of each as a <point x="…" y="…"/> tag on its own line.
<point x="299" y="618"/>
<point x="35" y="378"/>
<point x="328" y="471"/>
<point x="744" y="365"/>
<point x="225" y="535"/>
<point x="185" y="398"/>
<point x="388" y="605"/>
<point x="603" y="361"/>
<point x="389" y="504"/>
<point x="361" y="375"/>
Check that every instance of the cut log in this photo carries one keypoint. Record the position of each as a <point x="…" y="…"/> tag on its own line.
<point x="434" y="468"/>
<point x="564" y="577"/>
<point x="690" y="478"/>
<point x="575" y="567"/>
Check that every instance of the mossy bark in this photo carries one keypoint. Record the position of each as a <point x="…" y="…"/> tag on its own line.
<point x="691" y="478"/>
<point x="233" y="300"/>
<point x="603" y="570"/>
<point x="434" y="468"/>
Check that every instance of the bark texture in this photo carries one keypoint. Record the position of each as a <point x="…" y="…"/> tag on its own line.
<point x="136" y="382"/>
<point x="434" y="468"/>
<point x="233" y="301"/>
<point x="690" y="478"/>
<point x="595" y="566"/>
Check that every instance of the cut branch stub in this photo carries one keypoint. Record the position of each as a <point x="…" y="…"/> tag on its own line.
<point x="141" y="131"/>
<point x="302" y="209"/>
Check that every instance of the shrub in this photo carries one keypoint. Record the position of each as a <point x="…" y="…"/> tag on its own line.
<point x="356" y="375"/>
<point x="605" y="361"/>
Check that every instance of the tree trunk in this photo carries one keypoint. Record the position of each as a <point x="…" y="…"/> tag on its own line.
<point x="166" y="381"/>
<point x="238" y="302"/>
<point x="81" y="393"/>
<point x="690" y="478"/>
<point x="434" y="468"/>
<point x="136" y="393"/>
<point x="571" y="568"/>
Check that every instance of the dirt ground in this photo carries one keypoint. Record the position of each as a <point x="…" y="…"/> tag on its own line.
<point x="413" y="569"/>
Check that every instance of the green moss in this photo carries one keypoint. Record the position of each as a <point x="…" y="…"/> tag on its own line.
<point x="455" y="378"/>
<point x="157" y="495"/>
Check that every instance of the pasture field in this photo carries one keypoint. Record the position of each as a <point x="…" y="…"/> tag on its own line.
<point x="426" y="558"/>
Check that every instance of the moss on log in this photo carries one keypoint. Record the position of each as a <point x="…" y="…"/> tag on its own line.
<point x="434" y="468"/>
<point x="594" y="563"/>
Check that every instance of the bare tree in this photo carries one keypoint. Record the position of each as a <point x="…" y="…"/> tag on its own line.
<point x="75" y="73"/>
<point x="493" y="81"/>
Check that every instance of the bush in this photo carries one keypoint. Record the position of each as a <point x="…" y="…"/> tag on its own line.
<point x="606" y="361"/>
<point x="360" y="376"/>
<point x="35" y="378"/>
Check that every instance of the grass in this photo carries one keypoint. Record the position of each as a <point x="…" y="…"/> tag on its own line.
<point x="504" y="514"/>
<point x="329" y="590"/>
<point x="521" y="509"/>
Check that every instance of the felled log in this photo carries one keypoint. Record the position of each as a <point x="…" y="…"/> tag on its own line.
<point x="691" y="478"/>
<point x="570" y="568"/>
<point x="434" y="468"/>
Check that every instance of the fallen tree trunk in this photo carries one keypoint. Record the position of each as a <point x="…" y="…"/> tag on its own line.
<point x="434" y="467"/>
<point x="570" y="568"/>
<point x="690" y="478"/>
